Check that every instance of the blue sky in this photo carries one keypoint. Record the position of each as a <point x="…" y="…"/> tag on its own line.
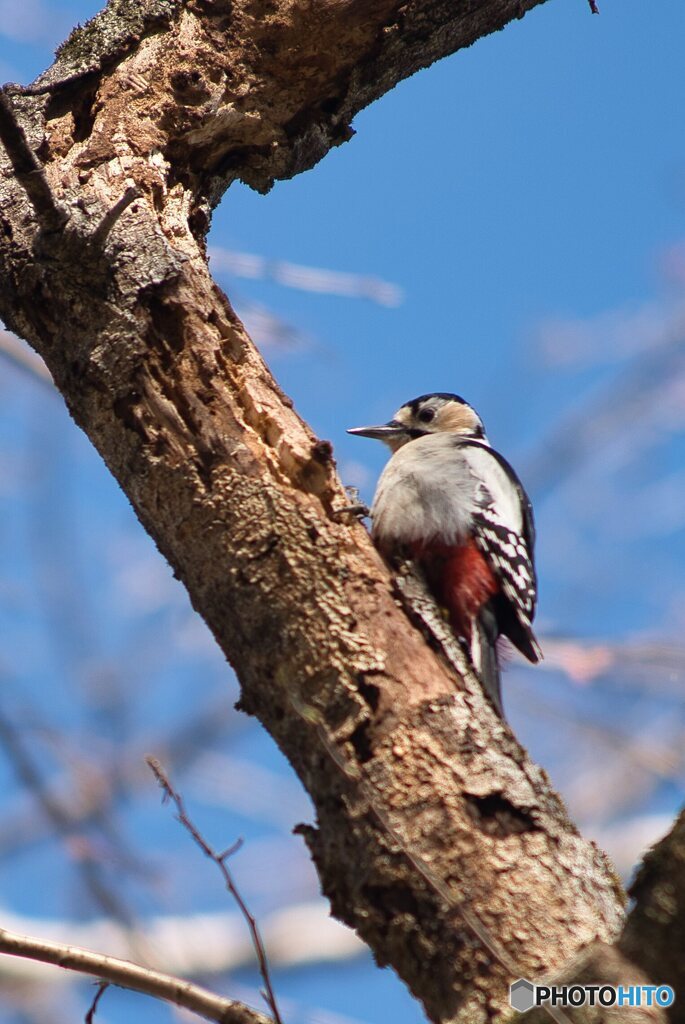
<point x="533" y="174"/>
<point x="528" y="198"/>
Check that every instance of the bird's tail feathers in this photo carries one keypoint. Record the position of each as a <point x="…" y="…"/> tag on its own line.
<point x="537" y="650"/>
<point x="484" y="656"/>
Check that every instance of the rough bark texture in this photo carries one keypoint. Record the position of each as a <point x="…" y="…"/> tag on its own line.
<point x="654" y="934"/>
<point x="434" y="830"/>
<point x="600" y="964"/>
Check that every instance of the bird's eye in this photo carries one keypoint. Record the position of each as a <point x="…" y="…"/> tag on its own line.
<point x="426" y="415"/>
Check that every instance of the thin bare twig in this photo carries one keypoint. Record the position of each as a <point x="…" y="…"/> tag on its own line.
<point x="220" y="860"/>
<point x="101" y="989"/>
<point x="50" y="87"/>
<point x="131" y="976"/>
<point x="109" y="220"/>
<point x="199" y="945"/>
<point x="28" y="169"/>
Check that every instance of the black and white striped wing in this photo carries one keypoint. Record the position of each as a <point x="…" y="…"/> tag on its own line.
<point x="505" y="533"/>
<point x="509" y="556"/>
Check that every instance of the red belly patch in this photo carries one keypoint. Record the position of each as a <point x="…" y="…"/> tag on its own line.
<point x="460" y="579"/>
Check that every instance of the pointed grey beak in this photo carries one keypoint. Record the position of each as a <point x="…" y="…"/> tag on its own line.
<point x="385" y="432"/>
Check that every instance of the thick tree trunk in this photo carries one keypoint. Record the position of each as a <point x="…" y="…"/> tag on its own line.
<point x="436" y="837"/>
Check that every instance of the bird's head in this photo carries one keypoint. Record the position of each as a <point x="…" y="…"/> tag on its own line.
<point x="429" y="414"/>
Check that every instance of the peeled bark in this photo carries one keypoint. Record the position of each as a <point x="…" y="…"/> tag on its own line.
<point x="436" y="838"/>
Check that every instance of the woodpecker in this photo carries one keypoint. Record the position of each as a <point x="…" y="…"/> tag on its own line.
<point x="454" y="506"/>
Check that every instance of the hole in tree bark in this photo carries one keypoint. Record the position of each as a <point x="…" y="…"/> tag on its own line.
<point x="361" y="742"/>
<point x="331" y="105"/>
<point x="84" y="117"/>
<point x="497" y="816"/>
<point x="167" y="324"/>
<point x="370" y="692"/>
<point x="81" y="106"/>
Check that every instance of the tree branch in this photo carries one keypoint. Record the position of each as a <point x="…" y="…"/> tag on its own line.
<point x="241" y="497"/>
<point x="197" y="944"/>
<point x="132" y="976"/>
<point x="27" y="168"/>
<point x="654" y="935"/>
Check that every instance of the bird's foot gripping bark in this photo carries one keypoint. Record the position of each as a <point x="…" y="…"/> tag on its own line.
<point x="356" y="508"/>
